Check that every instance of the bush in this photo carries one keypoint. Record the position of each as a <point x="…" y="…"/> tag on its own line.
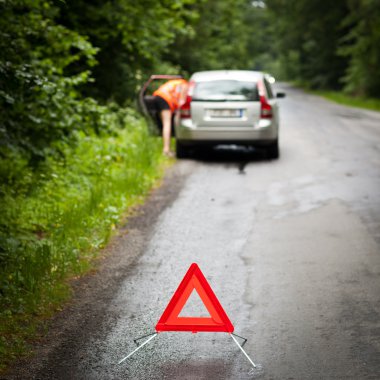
<point x="39" y="103"/>
<point x="57" y="220"/>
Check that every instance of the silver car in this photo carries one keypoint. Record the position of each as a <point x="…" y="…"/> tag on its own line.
<point x="228" y="107"/>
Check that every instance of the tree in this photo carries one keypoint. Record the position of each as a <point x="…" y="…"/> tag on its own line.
<point x="132" y="37"/>
<point x="309" y="33"/>
<point x="361" y="46"/>
<point x="227" y="34"/>
<point x="39" y="101"/>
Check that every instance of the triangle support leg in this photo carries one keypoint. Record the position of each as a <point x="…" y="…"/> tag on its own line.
<point x="134" y="351"/>
<point x="142" y="337"/>
<point x="242" y="350"/>
<point x="244" y="339"/>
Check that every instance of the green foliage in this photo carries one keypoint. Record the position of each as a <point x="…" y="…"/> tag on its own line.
<point x="341" y="98"/>
<point x="72" y="204"/>
<point x="361" y="46"/>
<point x="329" y="44"/>
<point x="69" y="167"/>
<point x="221" y="37"/>
<point x="309" y="33"/>
<point x="261" y="37"/>
<point x="52" y="228"/>
<point x="132" y="37"/>
<point x="39" y="103"/>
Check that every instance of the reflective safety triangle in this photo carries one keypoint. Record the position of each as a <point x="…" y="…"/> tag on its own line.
<point x="170" y="319"/>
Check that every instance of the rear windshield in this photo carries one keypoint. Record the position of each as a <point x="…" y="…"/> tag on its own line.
<point x="221" y="90"/>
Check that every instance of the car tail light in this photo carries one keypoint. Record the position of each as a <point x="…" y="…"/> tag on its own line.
<point x="266" y="108"/>
<point x="185" y="109"/>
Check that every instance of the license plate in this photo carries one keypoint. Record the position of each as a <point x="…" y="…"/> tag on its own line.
<point x="225" y="113"/>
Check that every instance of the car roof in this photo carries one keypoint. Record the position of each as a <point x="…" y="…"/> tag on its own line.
<point x="241" y="75"/>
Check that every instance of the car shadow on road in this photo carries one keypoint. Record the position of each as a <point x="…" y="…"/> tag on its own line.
<point x="231" y="155"/>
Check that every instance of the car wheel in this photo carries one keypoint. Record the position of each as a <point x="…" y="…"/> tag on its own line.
<point x="181" y="150"/>
<point x="273" y="151"/>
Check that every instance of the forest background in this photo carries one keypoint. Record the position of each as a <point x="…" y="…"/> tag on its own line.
<point x="75" y="154"/>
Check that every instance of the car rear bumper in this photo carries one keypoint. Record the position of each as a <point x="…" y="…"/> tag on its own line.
<point x="265" y="132"/>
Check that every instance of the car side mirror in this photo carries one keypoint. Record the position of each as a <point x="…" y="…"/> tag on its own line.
<point x="280" y="95"/>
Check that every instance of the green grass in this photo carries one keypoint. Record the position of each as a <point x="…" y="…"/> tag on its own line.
<point x="54" y="226"/>
<point x="342" y="98"/>
<point x="338" y="97"/>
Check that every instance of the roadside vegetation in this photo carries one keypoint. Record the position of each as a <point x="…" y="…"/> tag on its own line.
<point x="57" y="220"/>
<point x="74" y="152"/>
<point x="349" y="100"/>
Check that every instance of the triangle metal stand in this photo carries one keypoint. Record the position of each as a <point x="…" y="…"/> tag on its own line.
<point x="141" y="346"/>
<point x="153" y="335"/>
<point x="242" y="349"/>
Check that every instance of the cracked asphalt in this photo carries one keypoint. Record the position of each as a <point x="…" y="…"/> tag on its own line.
<point x="290" y="247"/>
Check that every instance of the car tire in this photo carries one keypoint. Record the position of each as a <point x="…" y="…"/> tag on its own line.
<point x="273" y="151"/>
<point x="181" y="150"/>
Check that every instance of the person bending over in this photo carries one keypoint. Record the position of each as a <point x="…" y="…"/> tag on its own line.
<point x="168" y="98"/>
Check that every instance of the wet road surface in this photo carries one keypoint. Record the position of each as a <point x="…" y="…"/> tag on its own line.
<point x="290" y="247"/>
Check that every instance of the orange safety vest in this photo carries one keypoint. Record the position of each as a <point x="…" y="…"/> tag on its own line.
<point x="173" y="92"/>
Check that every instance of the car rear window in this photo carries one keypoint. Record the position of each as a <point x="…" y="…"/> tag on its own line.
<point x="221" y="90"/>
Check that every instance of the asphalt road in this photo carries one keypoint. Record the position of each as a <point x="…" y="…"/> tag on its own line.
<point x="290" y="247"/>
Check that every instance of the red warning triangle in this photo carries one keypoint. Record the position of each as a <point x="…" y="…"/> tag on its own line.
<point x="170" y="319"/>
